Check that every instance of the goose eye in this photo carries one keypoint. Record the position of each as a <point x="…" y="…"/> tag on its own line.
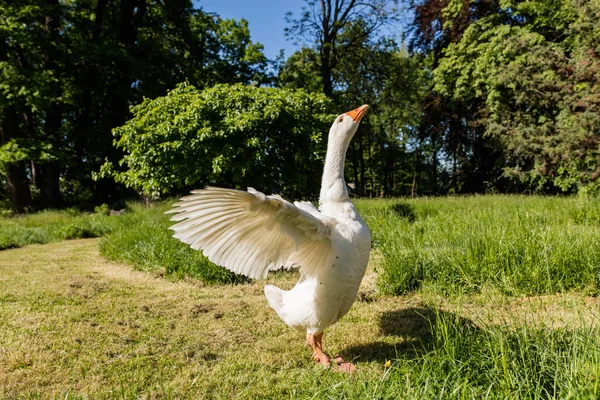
<point x="340" y="119"/>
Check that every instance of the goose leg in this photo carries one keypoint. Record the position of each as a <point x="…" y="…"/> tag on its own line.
<point x="342" y="365"/>
<point x="316" y="342"/>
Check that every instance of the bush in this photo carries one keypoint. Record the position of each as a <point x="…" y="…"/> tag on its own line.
<point x="230" y="134"/>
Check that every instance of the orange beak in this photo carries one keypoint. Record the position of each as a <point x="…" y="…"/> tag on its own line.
<point x="358" y="113"/>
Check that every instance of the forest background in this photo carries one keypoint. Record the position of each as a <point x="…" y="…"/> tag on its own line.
<point x="105" y="99"/>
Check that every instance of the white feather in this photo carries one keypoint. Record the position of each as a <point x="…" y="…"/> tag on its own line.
<point x="248" y="232"/>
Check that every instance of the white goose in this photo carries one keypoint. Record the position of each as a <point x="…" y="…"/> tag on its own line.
<point x="250" y="234"/>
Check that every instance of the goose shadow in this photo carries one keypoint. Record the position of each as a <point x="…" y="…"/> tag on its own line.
<point x="412" y="332"/>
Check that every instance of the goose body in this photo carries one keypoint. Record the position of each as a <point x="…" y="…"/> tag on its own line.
<point x="324" y="295"/>
<point x="250" y="233"/>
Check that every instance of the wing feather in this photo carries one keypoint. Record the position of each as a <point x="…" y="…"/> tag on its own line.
<point x="250" y="233"/>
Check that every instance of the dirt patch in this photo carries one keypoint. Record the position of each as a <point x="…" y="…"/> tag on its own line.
<point x="200" y="309"/>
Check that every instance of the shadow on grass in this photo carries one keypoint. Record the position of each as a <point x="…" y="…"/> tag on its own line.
<point x="414" y="328"/>
<point x="404" y="210"/>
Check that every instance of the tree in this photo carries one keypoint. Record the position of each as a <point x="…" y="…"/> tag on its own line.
<point x="46" y="173"/>
<point x="25" y="90"/>
<point x="355" y="64"/>
<point x="70" y="71"/>
<point x="392" y="82"/>
<point x="534" y="70"/>
<point x="451" y="133"/>
<point x="332" y="26"/>
<point x="301" y="70"/>
<point x="145" y="52"/>
<point x="384" y="75"/>
<point x="229" y="134"/>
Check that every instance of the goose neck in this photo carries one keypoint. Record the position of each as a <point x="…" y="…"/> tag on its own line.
<point x="333" y="185"/>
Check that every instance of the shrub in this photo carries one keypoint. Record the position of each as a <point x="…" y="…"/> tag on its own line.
<point x="230" y="134"/>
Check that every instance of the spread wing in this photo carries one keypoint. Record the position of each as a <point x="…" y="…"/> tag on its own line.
<point x="250" y="233"/>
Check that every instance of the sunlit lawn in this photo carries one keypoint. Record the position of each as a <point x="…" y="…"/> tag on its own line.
<point x="52" y="226"/>
<point x="73" y="325"/>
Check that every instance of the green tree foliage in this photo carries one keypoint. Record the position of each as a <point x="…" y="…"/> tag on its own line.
<point x="527" y="76"/>
<point x="337" y="27"/>
<point x="383" y="75"/>
<point x="301" y="70"/>
<point x="353" y="63"/>
<point x="460" y="158"/>
<point x="28" y="85"/>
<point x="500" y="94"/>
<point x="70" y="70"/>
<point x="229" y="134"/>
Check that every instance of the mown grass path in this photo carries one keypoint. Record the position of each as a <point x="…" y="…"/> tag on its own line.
<point x="75" y="325"/>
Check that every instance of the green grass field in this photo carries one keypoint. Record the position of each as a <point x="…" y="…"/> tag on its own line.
<point x="52" y="226"/>
<point x="478" y="297"/>
<point x="142" y="237"/>
<point x="521" y="245"/>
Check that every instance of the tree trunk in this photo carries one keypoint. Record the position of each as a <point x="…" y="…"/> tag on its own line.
<point x="47" y="178"/>
<point x="16" y="174"/>
<point x="417" y="172"/>
<point x="372" y="191"/>
<point x="99" y="19"/>
<point x="18" y="185"/>
<point x="47" y="175"/>
<point x="434" y="168"/>
<point x="361" y="159"/>
<point x="326" y="47"/>
<point x="131" y="18"/>
<point x="355" y="166"/>
<point x="326" y="71"/>
<point x="389" y="182"/>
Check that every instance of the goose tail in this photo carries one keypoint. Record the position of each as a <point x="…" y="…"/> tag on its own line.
<point x="274" y="297"/>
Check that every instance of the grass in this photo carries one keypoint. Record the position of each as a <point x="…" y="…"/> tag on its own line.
<point x="142" y="237"/>
<point x="51" y="226"/>
<point x="518" y="244"/>
<point x="465" y="361"/>
<point x="74" y="325"/>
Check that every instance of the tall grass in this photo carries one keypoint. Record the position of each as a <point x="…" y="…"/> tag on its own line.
<point x="465" y="362"/>
<point x="52" y="226"/>
<point x="142" y="237"/>
<point x="458" y="360"/>
<point x="522" y="245"/>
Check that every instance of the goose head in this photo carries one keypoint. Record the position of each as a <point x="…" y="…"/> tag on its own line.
<point x="345" y="125"/>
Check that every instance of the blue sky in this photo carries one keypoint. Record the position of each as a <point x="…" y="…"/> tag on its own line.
<point x="265" y="19"/>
